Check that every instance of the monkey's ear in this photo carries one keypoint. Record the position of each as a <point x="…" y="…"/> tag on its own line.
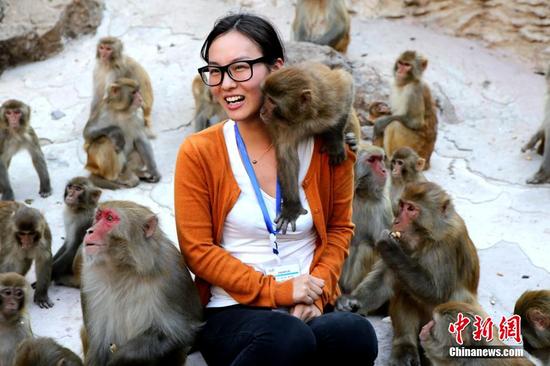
<point x="420" y="163"/>
<point x="115" y="89"/>
<point x="95" y="194"/>
<point x="150" y="226"/>
<point x="305" y="97"/>
<point x="445" y="206"/>
<point x="539" y="320"/>
<point x="423" y="63"/>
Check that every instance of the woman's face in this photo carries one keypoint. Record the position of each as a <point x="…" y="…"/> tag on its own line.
<point x="241" y="100"/>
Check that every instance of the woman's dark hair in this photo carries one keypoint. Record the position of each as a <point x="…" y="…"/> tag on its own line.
<point x="258" y="29"/>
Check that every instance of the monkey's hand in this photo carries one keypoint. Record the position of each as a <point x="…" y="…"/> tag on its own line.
<point x="351" y="141"/>
<point x="289" y="214"/>
<point x="389" y="242"/>
<point x="336" y="152"/>
<point x="150" y="178"/>
<point x="117" y="136"/>
<point x="45" y="191"/>
<point x="348" y="303"/>
<point x="43" y="301"/>
<point x="405" y="355"/>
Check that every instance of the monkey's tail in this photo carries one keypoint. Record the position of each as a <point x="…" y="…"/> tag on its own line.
<point x="104" y="183"/>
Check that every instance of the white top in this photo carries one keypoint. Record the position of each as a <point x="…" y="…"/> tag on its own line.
<point x="245" y="235"/>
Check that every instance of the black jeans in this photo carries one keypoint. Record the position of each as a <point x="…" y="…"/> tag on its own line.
<point x="241" y="335"/>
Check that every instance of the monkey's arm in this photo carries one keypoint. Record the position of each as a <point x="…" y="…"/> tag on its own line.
<point x="339" y="229"/>
<point x="193" y="206"/>
<point x="63" y="259"/>
<point x="112" y="132"/>
<point x="381" y="123"/>
<point x="43" y="278"/>
<point x="371" y="293"/>
<point x="336" y="32"/>
<point x="419" y="281"/>
<point x="39" y="163"/>
<point x="147" y="348"/>
<point x="5" y="186"/>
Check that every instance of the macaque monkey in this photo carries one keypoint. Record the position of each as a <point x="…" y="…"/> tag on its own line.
<point x="44" y="352"/>
<point x="15" y="325"/>
<point x="81" y="198"/>
<point x="436" y="339"/>
<point x="139" y="303"/>
<point x="111" y="65"/>
<point x="324" y="22"/>
<point x="413" y="119"/>
<point x="429" y="259"/>
<point x="302" y="101"/>
<point x="540" y="137"/>
<point x="406" y="167"/>
<point x="534" y="309"/>
<point x="26" y="237"/>
<point x="119" y="153"/>
<point x="207" y="110"/>
<point x="376" y="110"/>
<point x="371" y="215"/>
<point x="16" y="133"/>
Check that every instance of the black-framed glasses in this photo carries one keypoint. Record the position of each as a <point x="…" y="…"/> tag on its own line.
<point x="241" y="70"/>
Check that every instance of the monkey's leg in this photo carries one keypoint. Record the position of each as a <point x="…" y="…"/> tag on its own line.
<point x="152" y="347"/>
<point x="40" y="166"/>
<point x="145" y="151"/>
<point x="288" y="166"/>
<point x="406" y="319"/>
<point x="537" y="136"/>
<point x="334" y="143"/>
<point x="5" y="186"/>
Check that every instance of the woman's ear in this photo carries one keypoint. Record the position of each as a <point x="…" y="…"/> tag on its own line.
<point x="277" y="64"/>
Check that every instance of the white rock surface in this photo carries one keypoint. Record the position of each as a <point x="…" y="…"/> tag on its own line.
<point x="498" y="103"/>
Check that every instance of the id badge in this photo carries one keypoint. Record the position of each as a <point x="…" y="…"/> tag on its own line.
<point x="284" y="272"/>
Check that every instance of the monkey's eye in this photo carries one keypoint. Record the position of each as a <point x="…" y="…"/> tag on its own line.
<point x="18" y="293"/>
<point x="109" y="218"/>
<point x="6" y="292"/>
<point x="371" y="159"/>
<point x="399" y="162"/>
<point x="77" y="188"/>
<point x="98" y="215"/>
<point x="410" y="208"/>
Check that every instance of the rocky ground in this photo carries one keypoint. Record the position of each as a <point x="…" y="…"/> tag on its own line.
<point x="491" y="103"/>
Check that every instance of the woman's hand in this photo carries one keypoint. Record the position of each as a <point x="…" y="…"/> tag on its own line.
<point x="306" y="289"/>
<point x="305" y="312"/>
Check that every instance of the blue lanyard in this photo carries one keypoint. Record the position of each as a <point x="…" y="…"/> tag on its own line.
<point x="258" y="192"/>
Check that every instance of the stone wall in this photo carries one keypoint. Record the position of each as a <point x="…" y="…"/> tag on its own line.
<point x="521" y="26"/>
<point x="31" y="30"/>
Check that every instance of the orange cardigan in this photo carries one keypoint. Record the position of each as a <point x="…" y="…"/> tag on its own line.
<point x="205" y="191"/>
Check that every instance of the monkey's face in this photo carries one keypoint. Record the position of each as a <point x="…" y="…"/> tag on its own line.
<point x="11" y="300"/>
<point x="98" y="237"/>
<point x="73" y="194"/>
<point x="104" y="52"/>
<point x="240" y="100"/>
<point x="13" y="116"/>
<point x="382" y="109"/>
<point x="409" y="212"/>
<point x="397" y="168"/>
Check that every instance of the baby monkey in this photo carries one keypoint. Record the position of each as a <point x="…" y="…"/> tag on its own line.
<point x="302" y="101"/>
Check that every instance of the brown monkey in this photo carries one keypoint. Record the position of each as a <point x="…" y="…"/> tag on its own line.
<point x="413" y="120"/>
<point x="376" y="110"/>
<point x="325" y="22"/>
<point x="26" y="237"/>
<point x="81" y="198"/>
<point x="436" y="339"/>
<point x="119" y="154"/>
<point x="406" y="167"/>
<point x="534" y="309"/>
<point x="16" y="133"/>
<point x="112" y="64"/>
<point x="14" y="319"/>
<point x="44" y="352"/>
<point x="139" y="303"/>
<point x="371" y="215"/>
<point x="301" y="101"/>
<point x="542" y="134"/>
<point x="207" y="110"/>
<point x="430" y="260"/>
